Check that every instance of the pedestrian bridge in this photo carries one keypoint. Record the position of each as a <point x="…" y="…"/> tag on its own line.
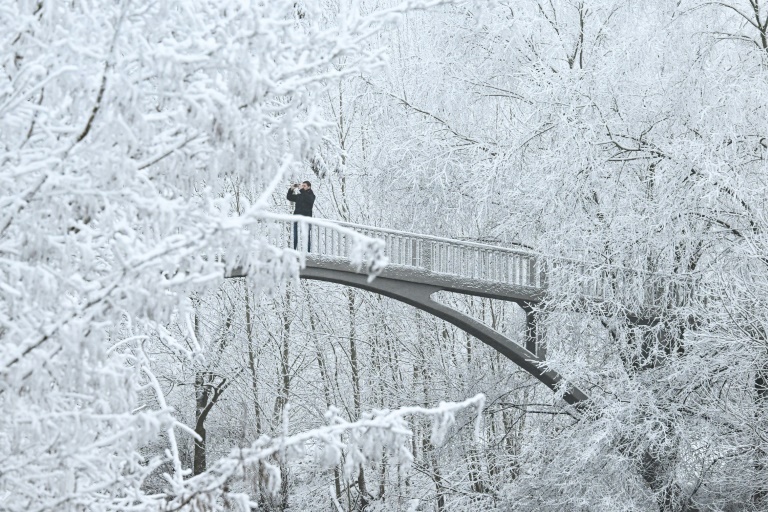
<point x="421" y="265"/>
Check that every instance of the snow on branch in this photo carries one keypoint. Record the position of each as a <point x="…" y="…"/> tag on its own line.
<point x="123" y="126"/>
<point x="360" y="441"/>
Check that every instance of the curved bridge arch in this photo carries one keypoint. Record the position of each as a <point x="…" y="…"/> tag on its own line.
<point x="416" y="289"/>
<point x="419" y="296"/>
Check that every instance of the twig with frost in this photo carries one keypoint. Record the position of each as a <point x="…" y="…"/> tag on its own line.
<point x="360" y="440"/>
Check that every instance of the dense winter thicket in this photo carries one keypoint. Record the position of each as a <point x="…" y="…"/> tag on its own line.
<point x="138" y="140"/>
<point x="631" y="136"/>
<point x="139" y="143"/>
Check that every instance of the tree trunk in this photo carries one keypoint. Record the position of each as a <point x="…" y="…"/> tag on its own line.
<point x="252" y="360"/>
<point x="201" y="402"/>
<point x="361" y="485"/>
<point x="284" y="390"/>
<point x="326" y="379"/>
<point x="427" y="449"/>
<point x="284" y="379"/>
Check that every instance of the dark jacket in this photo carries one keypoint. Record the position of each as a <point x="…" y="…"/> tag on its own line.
<point x="304" y="201"/>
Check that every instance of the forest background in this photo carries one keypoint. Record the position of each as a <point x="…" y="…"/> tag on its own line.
<point x="137" y="138"/>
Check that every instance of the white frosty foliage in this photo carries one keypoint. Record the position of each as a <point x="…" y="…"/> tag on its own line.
<point x="124" y="126"/>
<point x="360" y="440"/>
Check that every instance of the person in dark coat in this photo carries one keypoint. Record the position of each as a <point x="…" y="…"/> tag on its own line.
<point x="304" y="198"/>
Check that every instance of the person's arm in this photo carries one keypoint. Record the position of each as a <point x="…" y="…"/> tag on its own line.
<point x="291" y="196"/>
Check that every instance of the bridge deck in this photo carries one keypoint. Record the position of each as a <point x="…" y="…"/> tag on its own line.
<point x="439" y="280"/>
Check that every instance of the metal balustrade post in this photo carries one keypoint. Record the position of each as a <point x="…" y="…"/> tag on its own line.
<point x="323" y="249"/>
<point x="426" y="255"/>
<point x="491" y="267"/>
<point x="516" y="269"/>
<point x="347" y="246"/>
<point x="302" y="236"/>
<point x="531" y="272"/>
<point x="524" y="267"/>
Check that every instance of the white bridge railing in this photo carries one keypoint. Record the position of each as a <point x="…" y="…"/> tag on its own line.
<point x="631" y="288"/>
<point x="467" y="260"/>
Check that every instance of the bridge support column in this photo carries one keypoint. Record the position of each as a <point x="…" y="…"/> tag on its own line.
<point x="533" y="334"/>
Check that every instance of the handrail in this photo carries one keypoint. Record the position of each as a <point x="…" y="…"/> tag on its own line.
<point x="523" y="251"/>
<point x="527" y="252"/>
<point x="465" y="260"/>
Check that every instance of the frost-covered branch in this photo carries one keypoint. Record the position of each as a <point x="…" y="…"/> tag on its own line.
<point x="360" y="441"/>
<point x="115" y="188"/>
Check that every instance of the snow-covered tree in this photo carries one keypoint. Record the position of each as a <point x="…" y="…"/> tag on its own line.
<point x="629" y="138"/>
<point x="124" y="127"/>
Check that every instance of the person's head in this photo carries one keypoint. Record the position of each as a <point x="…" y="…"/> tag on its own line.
<point x="305" y="185"/>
